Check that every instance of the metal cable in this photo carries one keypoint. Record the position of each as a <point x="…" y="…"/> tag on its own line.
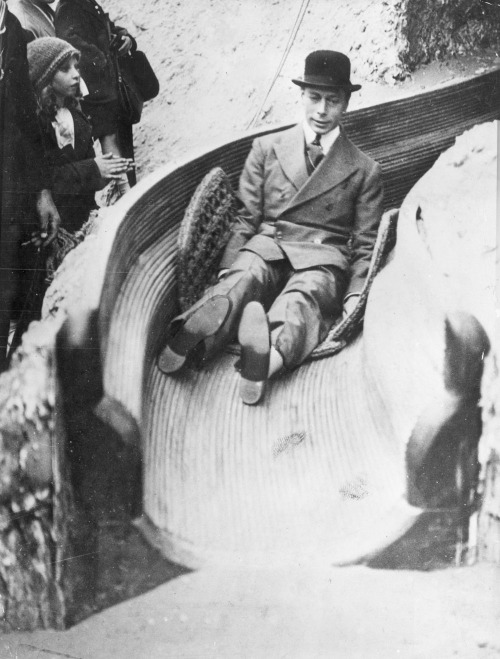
<point x="288" y="47"/>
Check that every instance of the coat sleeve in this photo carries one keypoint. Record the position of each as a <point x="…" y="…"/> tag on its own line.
<point x="72" y="25"/>
<point x="368" y="213"/>
<point x="80" y="176"/>
<point x="76" y="176"/>
<point x="250" y="201"/>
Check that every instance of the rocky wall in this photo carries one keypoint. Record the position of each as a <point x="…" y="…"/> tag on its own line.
<point x="458" y="201"/>
<point x="47" y="536"/>
<point x="434" y="29"/>
<point x="47" y="548"/>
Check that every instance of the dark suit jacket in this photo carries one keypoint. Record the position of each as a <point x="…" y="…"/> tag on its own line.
<point x="310" y="218"/>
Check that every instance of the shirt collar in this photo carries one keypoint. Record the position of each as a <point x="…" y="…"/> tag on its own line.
<point x="326" y="140"/>
<point x="64" y="127"/>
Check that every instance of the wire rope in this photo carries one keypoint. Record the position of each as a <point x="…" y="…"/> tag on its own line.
<point x="300" y="16"/>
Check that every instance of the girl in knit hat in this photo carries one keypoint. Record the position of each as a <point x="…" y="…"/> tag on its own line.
<point x="77" y="173"/>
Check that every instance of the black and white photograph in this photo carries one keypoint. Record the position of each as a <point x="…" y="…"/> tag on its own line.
<point x="249" y="329"/>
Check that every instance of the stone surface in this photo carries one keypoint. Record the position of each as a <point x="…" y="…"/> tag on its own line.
<point x="458" y="202"/>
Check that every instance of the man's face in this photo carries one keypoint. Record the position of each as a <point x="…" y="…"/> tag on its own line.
<point x="323" y="108"/>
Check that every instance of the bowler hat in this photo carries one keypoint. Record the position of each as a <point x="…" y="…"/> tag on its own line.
<point x="327" y="69"/>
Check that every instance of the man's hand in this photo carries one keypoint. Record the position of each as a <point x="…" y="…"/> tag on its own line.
<point x="125" y="45"/>
<point x="48" y="217"/>
<point x="349" y="305"/>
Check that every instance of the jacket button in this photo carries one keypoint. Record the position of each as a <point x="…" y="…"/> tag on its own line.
<point x="329" y="207"/>
<point x="317" y="241"/>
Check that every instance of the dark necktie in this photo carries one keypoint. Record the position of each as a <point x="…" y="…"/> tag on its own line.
<point x="315" y="153"/>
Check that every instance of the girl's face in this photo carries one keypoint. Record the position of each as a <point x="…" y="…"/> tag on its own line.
<point x="66" y="82"/>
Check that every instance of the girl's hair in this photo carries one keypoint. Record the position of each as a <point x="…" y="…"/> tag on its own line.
<point x="47" y="103"/>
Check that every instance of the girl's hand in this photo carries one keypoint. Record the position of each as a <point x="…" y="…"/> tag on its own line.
<point x="113" y="167"/>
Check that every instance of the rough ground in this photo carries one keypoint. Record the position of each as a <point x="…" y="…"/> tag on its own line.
<point x="215" y="62"/>
<point x="350" y="613"/>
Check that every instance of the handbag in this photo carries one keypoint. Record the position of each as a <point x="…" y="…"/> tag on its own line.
<point x="137" y="83"/>
<point x="129" y="96"/>
<point x="144" y="76"/>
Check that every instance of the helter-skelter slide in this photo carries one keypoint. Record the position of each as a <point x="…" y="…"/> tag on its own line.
<point x="351" y="449"/>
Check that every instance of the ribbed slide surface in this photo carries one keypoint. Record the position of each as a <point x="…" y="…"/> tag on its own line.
<point x="296" y="478"/>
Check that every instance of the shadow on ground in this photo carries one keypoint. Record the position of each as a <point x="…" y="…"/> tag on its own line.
<point x="107" y="481"/>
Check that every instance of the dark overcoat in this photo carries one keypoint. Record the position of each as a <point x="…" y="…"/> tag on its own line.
<point x="328" y="218"/>
<point x="87" y="27"/>
<point x="23" y="171"/>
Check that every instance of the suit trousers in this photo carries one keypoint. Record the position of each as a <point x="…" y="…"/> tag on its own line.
<point x="301" y="305"/>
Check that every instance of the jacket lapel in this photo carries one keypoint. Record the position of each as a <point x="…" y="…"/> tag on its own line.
<point x="338" y="164"/>
<point x="291" y="156"/>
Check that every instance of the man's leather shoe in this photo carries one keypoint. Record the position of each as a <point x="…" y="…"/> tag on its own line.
<point x="197" y="326"/>
<point x="254" y="339"/>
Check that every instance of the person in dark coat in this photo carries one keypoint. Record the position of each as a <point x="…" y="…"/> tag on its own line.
<point x="28" y="213"/>
<point x="85" y="25"/>
<point x="75" y="171"/>
<point x="300" y="249"/>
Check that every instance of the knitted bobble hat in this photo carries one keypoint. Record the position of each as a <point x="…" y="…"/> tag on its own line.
<point x="45" y="56"/>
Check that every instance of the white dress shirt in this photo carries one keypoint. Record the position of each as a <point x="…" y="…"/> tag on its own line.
<point x="326" y="140"/>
